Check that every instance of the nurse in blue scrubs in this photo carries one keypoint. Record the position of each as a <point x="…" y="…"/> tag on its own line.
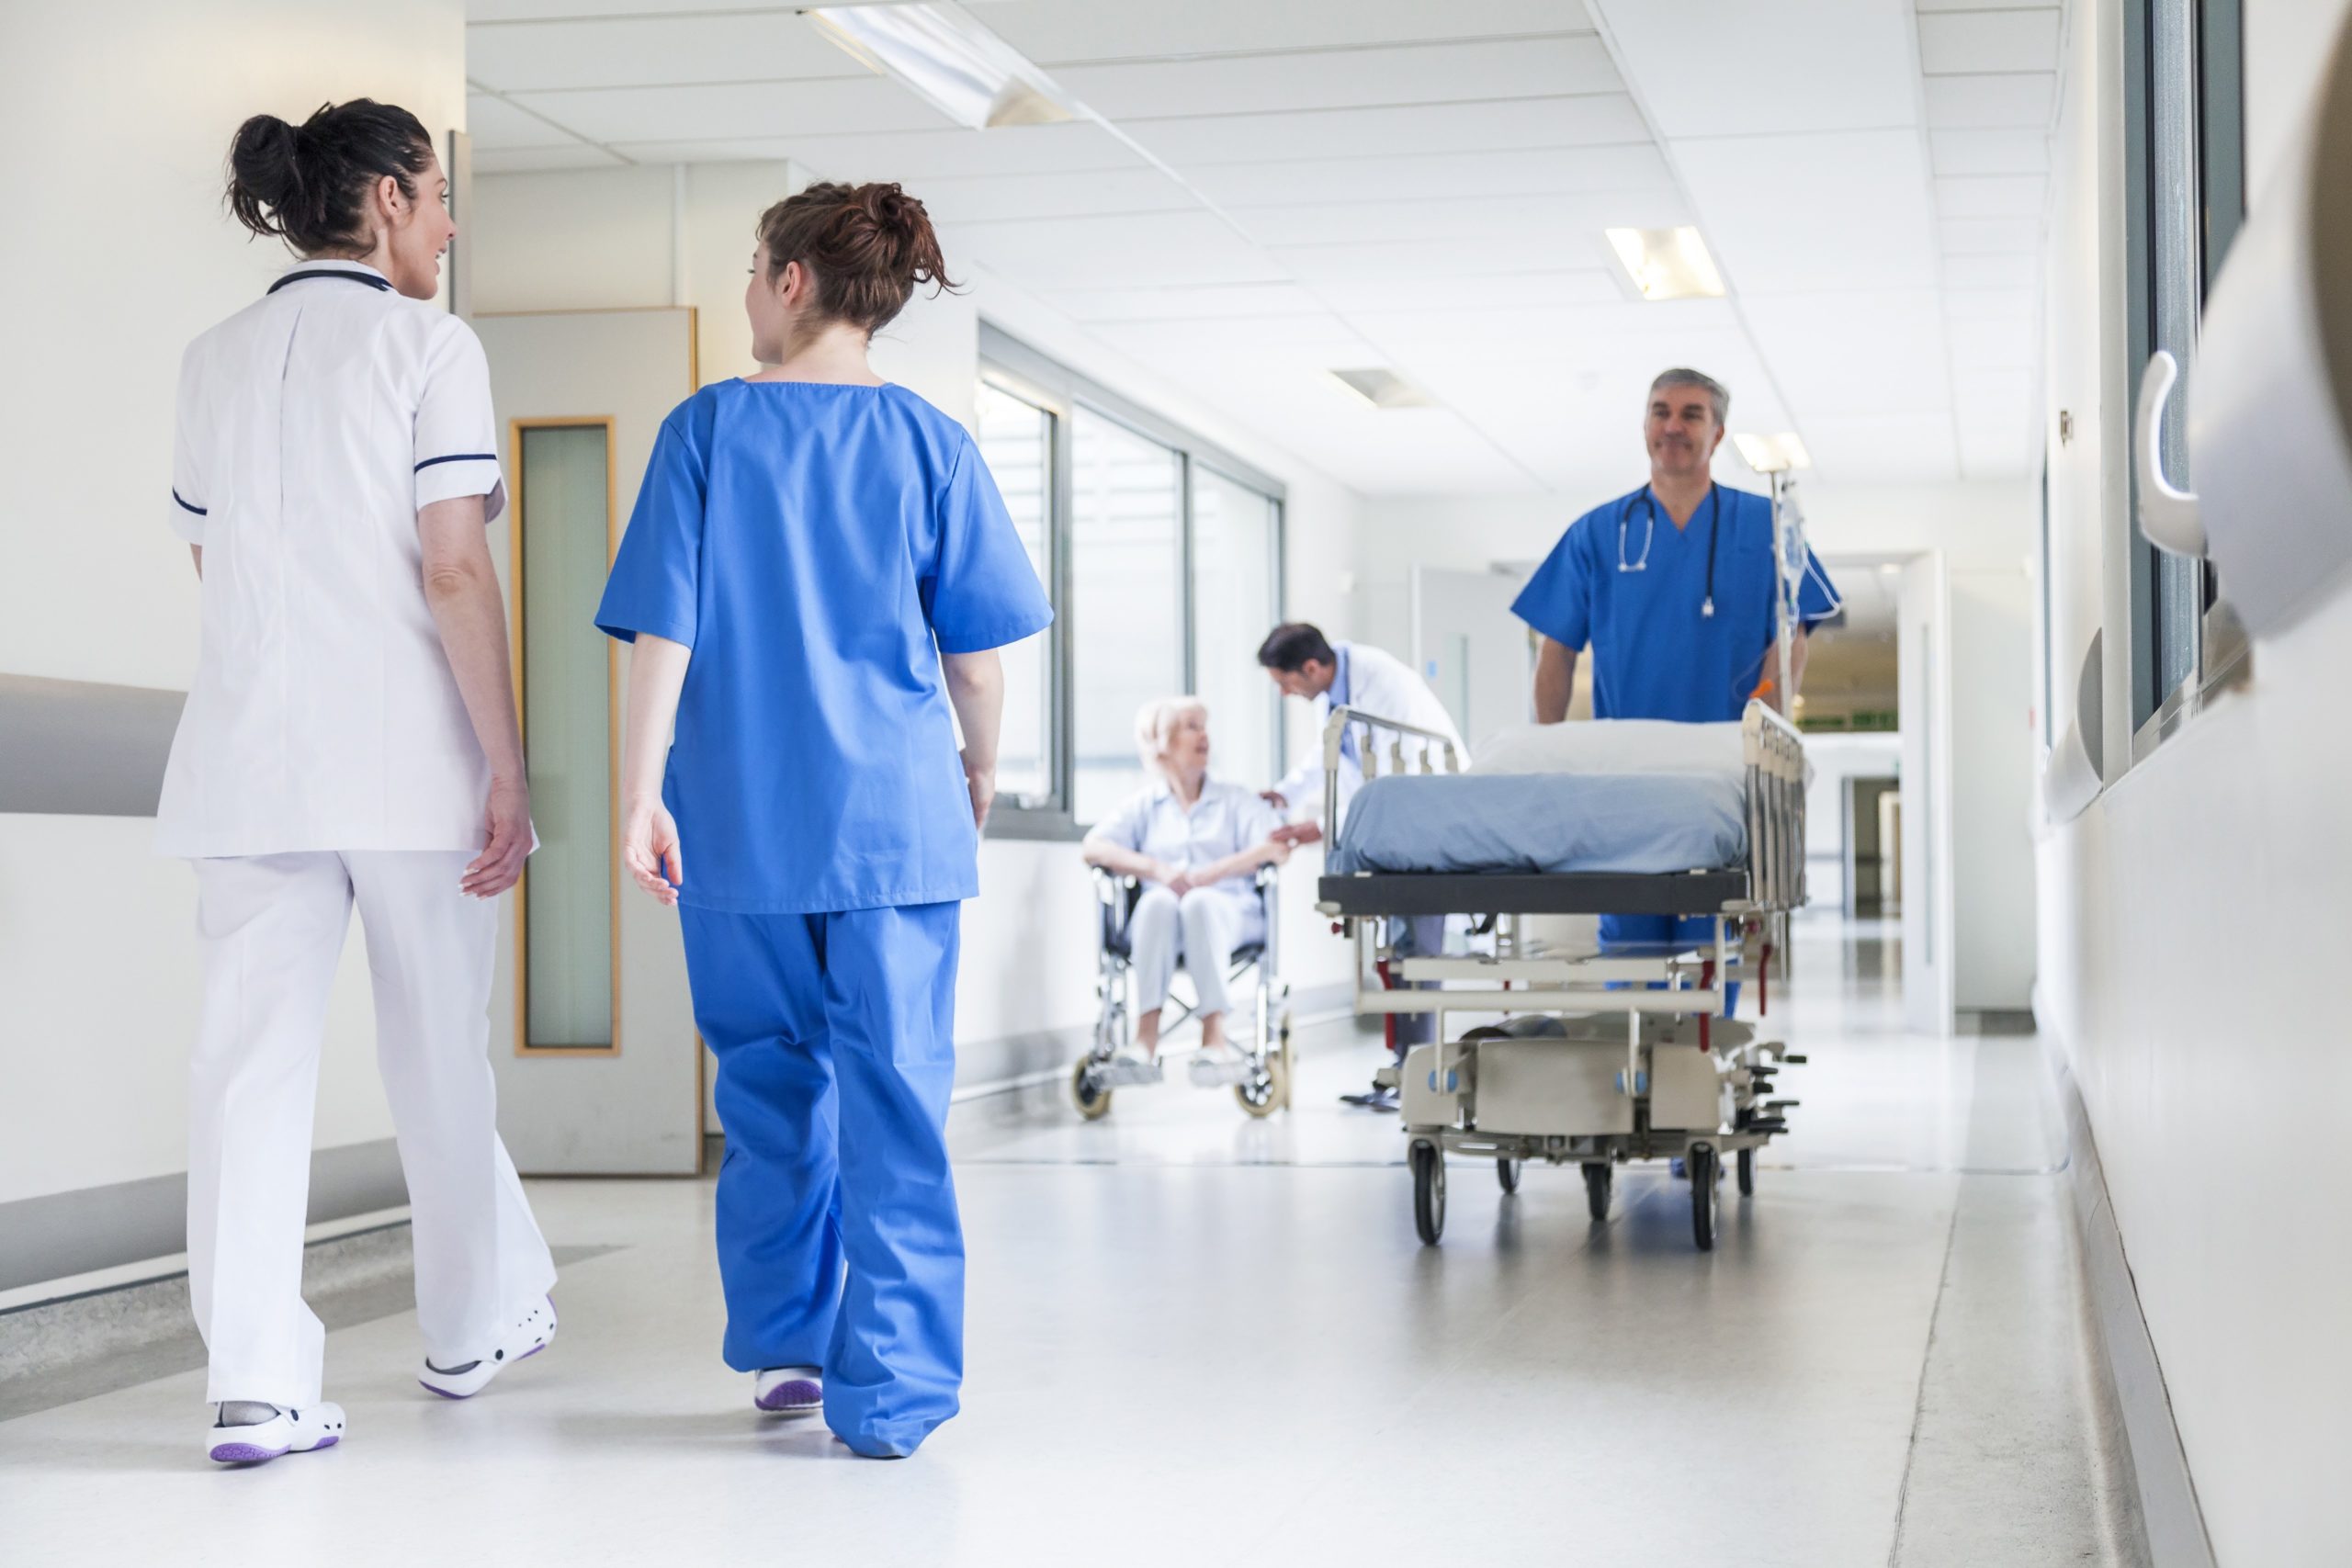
<point x="1673" y="589"/>
<point x="816" y="578"/>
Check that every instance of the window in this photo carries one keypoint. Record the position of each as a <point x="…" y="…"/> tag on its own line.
<point x="2183" y="203"/>
<point x="1017" y="443"/>
<point x="1162" y="556"/>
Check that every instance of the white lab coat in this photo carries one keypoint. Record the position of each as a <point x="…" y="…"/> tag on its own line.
<point x="1381" y="684"/>
<point x="326" y="762"/>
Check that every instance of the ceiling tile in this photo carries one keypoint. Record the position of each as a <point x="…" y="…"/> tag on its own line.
<point x="1853" y="353"/>
<point x="1371" y="133"/>
<point x="639" y="51"/>
<point x="1989" y="152"/>
<point x="2022" y="306"/>
<point x="1800" y="214"/>
<point x="840" y="105"/>
<point x="1354" y="78"/>
<point x="1092" y="193"/>
<point x="549" y="10"/>
<point x="2003" y="273"/>
<point x="1427" y="266"/>
<point x="1520" y="290"/>
<point x="1985" y="348"/>
<point x="912" y="156"/>
<point x="1445" y="222"/>
<point x="1733" y="67"/>
<point x="1181" y="301"/>
<point x="1990" y="236"/>
<point x="1509" y="172"/>
<point x="494" y="124"/>
<point x="1052" y="31"/>
<point x="542" y="160"/>
<point x="1991" y="196"/>
<point x="1883" y="449"/>
<point x="1138" y="249"/>
<point x="1956" y="41"/>
<point x="1975" y="103"/>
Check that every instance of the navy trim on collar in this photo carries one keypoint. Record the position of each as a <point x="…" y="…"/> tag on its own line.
<point x="458" y="457"/>
<point x="369" y="278"/>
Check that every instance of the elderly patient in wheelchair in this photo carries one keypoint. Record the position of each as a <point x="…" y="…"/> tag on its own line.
<point x="1195" y="845"/>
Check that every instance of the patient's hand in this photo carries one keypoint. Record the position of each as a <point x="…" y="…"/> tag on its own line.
<point x="1278" y="850"/>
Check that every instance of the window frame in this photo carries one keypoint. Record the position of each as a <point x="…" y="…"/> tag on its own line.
<point x="1016" y="368"/>
<point x="2215" y="152"/>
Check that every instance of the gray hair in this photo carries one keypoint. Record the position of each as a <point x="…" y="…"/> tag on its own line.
<point x="1155" y="719"/>
<point x="1681" y="375"/>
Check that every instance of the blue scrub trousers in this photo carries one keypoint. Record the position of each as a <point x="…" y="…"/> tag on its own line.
<point x="839" y="1245"/>
<point x="1687" y="930"/>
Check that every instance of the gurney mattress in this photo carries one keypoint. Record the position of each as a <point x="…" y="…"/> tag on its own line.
<point x="1643" y="823"/>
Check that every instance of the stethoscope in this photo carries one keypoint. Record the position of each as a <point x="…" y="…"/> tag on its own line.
<point x="1649" y="536"/>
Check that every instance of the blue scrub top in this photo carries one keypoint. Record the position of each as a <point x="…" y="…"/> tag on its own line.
<point x="817" y="546"/>
<point x="1654" y="655"/>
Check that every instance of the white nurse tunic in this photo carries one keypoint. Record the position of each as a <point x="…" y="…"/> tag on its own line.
<point x="313" y="424"/>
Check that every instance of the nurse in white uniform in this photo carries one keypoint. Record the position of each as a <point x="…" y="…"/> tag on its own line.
<point x="1197" y="842"/>
<point x="349" y="739"/>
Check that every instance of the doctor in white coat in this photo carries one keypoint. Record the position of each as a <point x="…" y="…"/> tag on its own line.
<point x="349" y="740"/>
<point x="1305" y="663"/>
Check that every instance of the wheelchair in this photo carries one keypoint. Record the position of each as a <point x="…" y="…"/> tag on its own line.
<point x="1266" y="1086"/>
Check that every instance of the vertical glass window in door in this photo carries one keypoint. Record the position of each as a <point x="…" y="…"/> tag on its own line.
<point x="1235" y="533"/>
<point x="1126" y="601"/>
<point x="1016" y="441"/>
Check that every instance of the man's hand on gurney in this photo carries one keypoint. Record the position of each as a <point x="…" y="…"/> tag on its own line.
<point x="1290" y="835"/>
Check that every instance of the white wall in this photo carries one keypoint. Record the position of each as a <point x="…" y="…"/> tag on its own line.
<point x="120" y="114"/>
<point x="2187" y="915"/>
<point x="602" y="239"/>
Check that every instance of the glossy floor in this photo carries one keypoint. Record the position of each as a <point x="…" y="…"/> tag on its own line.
<point x="1198" y="1339"/>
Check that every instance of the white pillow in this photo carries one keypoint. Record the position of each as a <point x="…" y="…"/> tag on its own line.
<point x="1614" y="746"/>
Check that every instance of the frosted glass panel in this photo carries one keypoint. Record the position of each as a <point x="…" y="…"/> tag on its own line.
<point x="566" y="738"/>
<point x="1016" y="442"/>
<point x="1234" y="529"/>
<point x="1126" y="588"/>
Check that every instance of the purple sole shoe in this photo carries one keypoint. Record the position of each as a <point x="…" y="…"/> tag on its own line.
<point x="244" y="1453"/>
<point x="797" y="1396"/>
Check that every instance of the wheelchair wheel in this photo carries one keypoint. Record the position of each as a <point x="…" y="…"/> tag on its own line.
<point x="1290" y="1076"/>
<point x="1268" y="1093"/>
<point x="1506" y="1172"/>
<point x="1428" y="1192"/>
<point x="1092" y="1100"/>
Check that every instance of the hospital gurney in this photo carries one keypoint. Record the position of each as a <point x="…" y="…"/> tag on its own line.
<point x="1264" y="1087"/>
<point x="1593" y="1066"/>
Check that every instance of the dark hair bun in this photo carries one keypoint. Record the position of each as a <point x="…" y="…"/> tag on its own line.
<point x="867" y="246"/>
<point x="308" y="183"/>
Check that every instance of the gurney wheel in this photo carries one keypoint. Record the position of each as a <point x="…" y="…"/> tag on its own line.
<point x="1262" y="1097"/>
<point x="1597" y="1177"/>
<point x="1506" y="1172"/>
<point x="1702" y="1164"/>
<point x="1746" y="1165"/>
<point x="1428" y="1192"/>
<point x="1092" y="1100"/>
<point x="1290" y="1079"/>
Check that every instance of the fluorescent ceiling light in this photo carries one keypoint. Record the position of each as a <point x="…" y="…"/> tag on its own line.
<point x="968" y="74"/>
<point x="1772" y="454"/>
<point x="1382" y="389"/>
<point x="1667" y="263"/>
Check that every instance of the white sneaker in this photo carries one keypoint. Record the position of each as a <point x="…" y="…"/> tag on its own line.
<point x="1130" y="1067"/>
<point x="1214" y="1066"/>
<point x="790" y="1391"/>
<point x="531" y="1334"/>
<point x="284" y="1432"/>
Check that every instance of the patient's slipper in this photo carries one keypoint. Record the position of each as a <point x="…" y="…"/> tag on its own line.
<point x="1217" y="1065"/>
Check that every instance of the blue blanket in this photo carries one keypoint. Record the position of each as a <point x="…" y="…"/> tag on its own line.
<point x="1544" y="822"/>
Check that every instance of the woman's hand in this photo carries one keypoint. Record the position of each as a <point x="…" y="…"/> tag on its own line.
<point x="649" y="849"/>
<point x="981" y="783"/>
<point x="500" y="864"/>
<point x="1177" y="879"/>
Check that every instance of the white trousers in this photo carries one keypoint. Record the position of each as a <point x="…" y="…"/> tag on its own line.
<point x="272" y="928"/>
<point x="1203" y="928"/>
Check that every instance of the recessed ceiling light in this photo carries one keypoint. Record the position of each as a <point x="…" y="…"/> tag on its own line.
<point x="1772" y="454"/>
<point x="966" y="72"/>
<point x="1667" y="263"/>
<point x="1382" y="389"/>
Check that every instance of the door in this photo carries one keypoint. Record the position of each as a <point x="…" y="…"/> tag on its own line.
<point x="1476" y="656"/>
<point x="592" y="1029"/>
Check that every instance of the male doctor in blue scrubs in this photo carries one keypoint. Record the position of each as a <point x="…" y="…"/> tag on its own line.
<point x="1672" y="587"/>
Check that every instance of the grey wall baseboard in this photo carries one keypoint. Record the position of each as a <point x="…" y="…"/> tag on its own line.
<point x="82" y="749"/>
<point x="2169" y="1511"/>
<point x="63" y="1234"/>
